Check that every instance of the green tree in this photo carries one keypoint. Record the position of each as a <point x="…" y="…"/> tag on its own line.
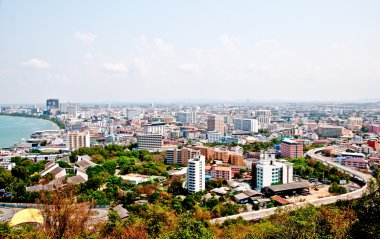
<point x="175" y="186"/>
<point x="337" y="189"/>
<point x="367" y="210"/>
<point x="189" y="228"/>
<point x="110" y="166"/>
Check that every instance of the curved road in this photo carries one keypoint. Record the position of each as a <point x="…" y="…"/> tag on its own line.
<point x="313" y="154"/>
<point x="256" y="215"/>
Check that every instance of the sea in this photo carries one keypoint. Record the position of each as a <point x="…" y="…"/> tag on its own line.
<point x="14" y="129"/>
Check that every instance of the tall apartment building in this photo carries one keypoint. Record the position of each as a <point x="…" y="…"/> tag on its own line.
<point x="150" y="142"/>
<point x="330" y="131"/>
<point x="187" y="117"/>
<point x="219" y="171"/>
<point x="180" y="156"/>
<point x="215" y="123"/>
<point x="78" y="140"/>
<point x="251" y="125"/>
<point x="269" y="172"/>
<point x="195" y="176"/>
<point x="155" y="128"/>
<point x="291" y="149"/>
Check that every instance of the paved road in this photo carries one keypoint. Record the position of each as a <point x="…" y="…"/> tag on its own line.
<point x="256" y="215"/>
<point x="313" y="154"/>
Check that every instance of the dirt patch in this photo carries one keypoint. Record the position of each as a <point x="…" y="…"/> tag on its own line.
<point x="322" y="192"/>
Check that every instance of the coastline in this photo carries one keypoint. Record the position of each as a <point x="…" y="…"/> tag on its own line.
<point x="20" y="131"/>
<point x="55" y="122"/>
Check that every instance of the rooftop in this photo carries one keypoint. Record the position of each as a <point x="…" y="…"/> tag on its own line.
<point x="289" y="186"/>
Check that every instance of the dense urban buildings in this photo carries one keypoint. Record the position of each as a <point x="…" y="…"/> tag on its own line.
<point x="232" y="146"/>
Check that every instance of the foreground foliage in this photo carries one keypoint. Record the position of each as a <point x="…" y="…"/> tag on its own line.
<point x="345" y="219"/>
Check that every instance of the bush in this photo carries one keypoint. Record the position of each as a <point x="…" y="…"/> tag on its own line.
<point x="337" y="189"/>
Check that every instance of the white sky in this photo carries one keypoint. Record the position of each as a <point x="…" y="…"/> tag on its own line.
<point x="130" y="51"/>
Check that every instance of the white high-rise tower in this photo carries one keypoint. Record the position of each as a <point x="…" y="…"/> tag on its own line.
<point x="196" y="174"/>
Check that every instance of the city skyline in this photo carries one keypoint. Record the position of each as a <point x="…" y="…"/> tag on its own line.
<point x="216" y="51"/>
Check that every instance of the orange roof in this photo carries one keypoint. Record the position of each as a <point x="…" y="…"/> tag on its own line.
<point x="280" y="200"/>
<point x="219" y="168"/>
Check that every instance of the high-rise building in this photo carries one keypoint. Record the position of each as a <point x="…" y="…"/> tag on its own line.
<point x="215" y="123"/>
<point x="78" y="140"/>
<point x="269" y="172"/>
<point x="150" y="142"/>
<point x="291" y="149"/>
<point x="186" y="117"/>
<point x="183" y="117"/>
<point x="52" y="104"/>
<point x="251" y="125"/>
<point x="195" y="176"/>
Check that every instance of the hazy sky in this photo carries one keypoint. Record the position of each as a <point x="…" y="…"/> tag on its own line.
<point x="128" y="51"/>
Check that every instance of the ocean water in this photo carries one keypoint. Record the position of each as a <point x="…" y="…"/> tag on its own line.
<point x="13" y="129"/>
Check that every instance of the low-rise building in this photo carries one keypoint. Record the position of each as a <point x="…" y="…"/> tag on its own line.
<point x="360" y="163"/>
<point x="219" y="171"/>
<point x="7" y="165"/>
<point x="180" y="156"/>
<point x="269" y="172"/>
